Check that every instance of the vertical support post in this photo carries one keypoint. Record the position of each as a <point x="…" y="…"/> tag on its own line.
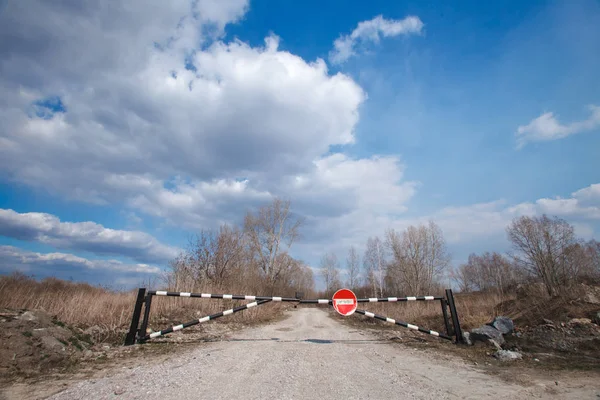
<point x="454" y="314"/>
<point x="135" y="318"/>
<point x="444" y="304"/>
<point x="148" y="301"/>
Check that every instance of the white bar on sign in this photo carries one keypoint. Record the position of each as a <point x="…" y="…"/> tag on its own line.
<point x="344" y="301"/>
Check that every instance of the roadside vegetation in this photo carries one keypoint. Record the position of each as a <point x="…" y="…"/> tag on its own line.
<point x="548" y="278"/>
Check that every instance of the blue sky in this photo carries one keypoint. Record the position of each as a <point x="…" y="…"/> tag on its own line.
<point x="368" y="115"/>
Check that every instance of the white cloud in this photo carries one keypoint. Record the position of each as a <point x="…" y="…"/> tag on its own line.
<point x="13" y="258"/>
<point x="487" y="220"/>
<point x="86" y="236"/>
<point x="344" y="47"/>
<point x="244" y="112"/>
<point x="470" y="227"/>
<point x="546" y="127"/>
<point x="256" y="122"/>
<point x="584" y="203"/>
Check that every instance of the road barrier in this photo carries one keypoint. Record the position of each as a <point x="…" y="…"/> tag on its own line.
<point x="138" y="333"/>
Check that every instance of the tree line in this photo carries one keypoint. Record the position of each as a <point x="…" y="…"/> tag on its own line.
<point x="544" y="250"/>
<point x="253" y="258"/>
<point x="410" y="261"/>
<point x="414" y="261"/>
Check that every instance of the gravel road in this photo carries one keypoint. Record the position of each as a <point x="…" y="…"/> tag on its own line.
<point x="306" y="356"/>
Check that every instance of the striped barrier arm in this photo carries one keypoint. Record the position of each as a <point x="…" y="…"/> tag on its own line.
<point x="402" y="323"/>
<point x="203" y="319"/>
<point x="237" y="297"/>
<point x="394" y="299"/>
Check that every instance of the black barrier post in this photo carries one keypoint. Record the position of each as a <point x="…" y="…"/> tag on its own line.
<point x="457" y="330"/>
<point x="135" y="319"/>
<point x="148" y="301"/>
<point x="445" y="313"/>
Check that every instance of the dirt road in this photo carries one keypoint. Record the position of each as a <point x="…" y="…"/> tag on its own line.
<point x="309" y="356"/>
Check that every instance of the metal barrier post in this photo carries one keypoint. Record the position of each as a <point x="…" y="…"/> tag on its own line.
<point x="135" y="318"/>
<point x="144" y="327"/>
<point x="455" y="322"/>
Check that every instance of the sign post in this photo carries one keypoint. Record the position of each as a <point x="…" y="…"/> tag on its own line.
<point x="344" y="302"/>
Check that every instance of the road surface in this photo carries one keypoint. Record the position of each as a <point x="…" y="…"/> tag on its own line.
<point x="306" y="356"/>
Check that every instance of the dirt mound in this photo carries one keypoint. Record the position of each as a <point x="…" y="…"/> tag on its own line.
<point x="583" y="301"/>
<point x="34" y="342"/>
<point x="564" y="328"/>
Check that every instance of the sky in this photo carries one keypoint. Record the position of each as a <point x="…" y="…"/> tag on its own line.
<point x="126" y="127"/>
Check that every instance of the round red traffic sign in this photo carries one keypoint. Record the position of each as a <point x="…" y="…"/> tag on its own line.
<point x="344" y="302"/>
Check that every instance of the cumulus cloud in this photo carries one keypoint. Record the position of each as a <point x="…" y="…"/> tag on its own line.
<point x="13" y="258"/>
<point x="546" y="127"/>
<point x="179" y="125"/>
<point x="86" y="236"/>
<point x="221" y="111"/>
<point x="371" y="31"/>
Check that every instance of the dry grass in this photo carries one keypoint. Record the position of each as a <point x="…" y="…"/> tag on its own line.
<point x="109" y="312"/>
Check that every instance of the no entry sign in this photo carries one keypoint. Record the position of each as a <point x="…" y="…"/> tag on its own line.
<point x="344" y="302"/>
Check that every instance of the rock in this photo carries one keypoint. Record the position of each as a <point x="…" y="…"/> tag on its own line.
<point x="52" y="343"/>
<point x="37" y="316"/>
<point x="504" y="324"/>
<point x="467" y="338"/>
<point x="597" y="318"/>
<point x="580" y="321"/>
<point x="591" y="294"/>
<point x="119" y="391"/>
<point x="508" y="355"/>
<point x="547" y="321"/>
<point x="495" y="344"/>
<point x="55" y="331"/>
<point x="487" y="333"/>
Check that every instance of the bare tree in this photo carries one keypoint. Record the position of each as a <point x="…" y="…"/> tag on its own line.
<point x="271" y="231"/>
<point x="463" y="277"/>
<point x="542" y="249"/>
<point x="353" y="267"/>
<point x="374" y="264"/>
<point x="217" y="254"/>
<point x="593" y="249"/>
<point x="420" y="257"/>
<point x="489" y="271"/>
<point x="330" y="271"/>
<point x="583" y="261"/>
